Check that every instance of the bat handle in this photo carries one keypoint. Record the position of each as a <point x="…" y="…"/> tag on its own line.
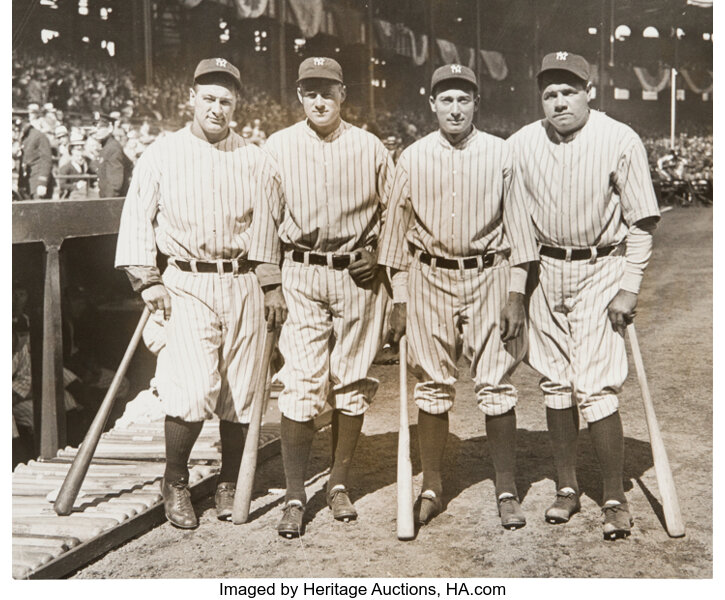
<point x="73" y="481"/>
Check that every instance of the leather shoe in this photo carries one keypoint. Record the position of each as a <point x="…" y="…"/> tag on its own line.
<point x="428" y="506"/>
<point x="565" y="505"/>
<point x="339" y="502"/>
<point x="177" y="504"/>
<point x="617" y="521"/>
<point x="509" y="509"/>
<point x="224" y="500"/>
<point x="290" y="525"/>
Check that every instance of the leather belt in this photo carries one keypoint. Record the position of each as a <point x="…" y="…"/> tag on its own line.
<point x="199" y="266"/>
<point x="471" y="262"/>
<point x="336" y="261"/>
<point x="575" y="253"/>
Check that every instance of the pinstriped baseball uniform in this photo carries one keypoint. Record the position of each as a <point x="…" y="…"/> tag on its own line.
<point x="584" y="193"/>
<point x="453" y="202"/>
<point x="194" y="201"/>
<point x="324" y="196"/>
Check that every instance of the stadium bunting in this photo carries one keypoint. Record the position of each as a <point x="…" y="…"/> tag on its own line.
<point x="309" y="15"/>
<point x="496" y="64"/>
<point x="449" y="52"/>
<point x="249" y="9"/>
<point x="655" y="83"/>
<point x="687" y="75"/>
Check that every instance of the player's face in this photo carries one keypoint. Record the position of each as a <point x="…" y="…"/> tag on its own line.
<point x="214" y="105"/>
<point x="322" y="100"/>
<point x="565" y="102"/>
<point x="455" y="108"/>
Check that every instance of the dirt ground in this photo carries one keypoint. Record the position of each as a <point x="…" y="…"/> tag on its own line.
<point x="674" y="324"/>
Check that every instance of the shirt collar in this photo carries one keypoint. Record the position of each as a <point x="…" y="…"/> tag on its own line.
<point x="464" y="143"/>
<point x="342" y="128"/>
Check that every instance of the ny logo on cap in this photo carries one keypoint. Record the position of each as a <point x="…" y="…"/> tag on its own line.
<point x="455" y="68"/>
<point x="561" y="55"/>
<point x="319" y="61"/>
<point x="221" y="62"/>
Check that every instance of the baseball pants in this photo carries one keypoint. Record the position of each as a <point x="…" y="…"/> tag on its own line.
<point x="214" y="340"/>
<point x="571" y="340"/>
<point x="328" y="341"/>
<point x="444" y="302"/>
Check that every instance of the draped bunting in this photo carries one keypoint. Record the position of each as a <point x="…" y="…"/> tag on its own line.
<point x="384" y="34"/>
<point x="249" y="9"/>
<point x="406" y="44"/>
<point x="687" y="76"/>
<point x="496" y="64"/>
<point x="308" y="16"/>
<point x="190" y="3"/>
<point x="449" y="52"/>
<point x="348" y="23"/>
<point x="650" y="83"/>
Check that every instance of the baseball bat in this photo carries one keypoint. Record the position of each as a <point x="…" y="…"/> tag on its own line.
<point x="245" y="480"/>
<point x="406" y="526"/>
<point x="74" y="479"/>
<point x="665" y="482"/>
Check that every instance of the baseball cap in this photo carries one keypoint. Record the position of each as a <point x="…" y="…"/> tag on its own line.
<point x="218" y="65"/>
<point x="565" y="61"/>
<point x="320" y="67"/>
<point x="77" y="139"/>
<point x="453" y="71"/>
<point x="100" y="119"/>
<point x="33" y="108"/>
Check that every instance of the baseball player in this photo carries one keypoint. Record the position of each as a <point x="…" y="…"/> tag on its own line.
<point x="318" y="214"/>
<point x="458" y="249"/>
<point x="585" y="180"/>
<point x="191" y="196"/>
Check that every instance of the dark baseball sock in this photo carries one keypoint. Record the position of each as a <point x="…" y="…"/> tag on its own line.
<point x="432" y="435"/>
<point x="501" y="434"/>
<point x="296" y="444"/>
<point x="232" y="436"/>
<point x="180" y="436"/>
<point x="563" y="427"/>
<point x="345" y="433"/>
<point x="608" y="440"/>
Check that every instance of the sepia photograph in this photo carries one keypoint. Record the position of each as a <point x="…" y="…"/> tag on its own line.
<point x="362" y="298"/>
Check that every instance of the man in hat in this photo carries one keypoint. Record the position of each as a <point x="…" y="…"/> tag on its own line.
<point x="114" y="167"/>
<point x="585" y="181"/>
<point x="36" y="159"/>
<point x="318" y="213"/>
<point x="458" y="249"/>
<point x="72" y="186"/>
<point x="191" y="196"/>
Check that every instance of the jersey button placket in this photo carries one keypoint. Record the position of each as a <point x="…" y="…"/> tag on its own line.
<point x="454" y="197"/>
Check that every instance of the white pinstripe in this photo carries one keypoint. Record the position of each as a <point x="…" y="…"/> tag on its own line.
<point x="586" y="192"/>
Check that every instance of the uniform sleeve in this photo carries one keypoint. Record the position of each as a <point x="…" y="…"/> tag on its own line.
<point x="517" y="224"/>
<point x="385" y="171"/>
<point x="136" y="241"/>
<point x="393" y="251"/>
<point x="634" y="184"/>
<point x="265" y="245"/>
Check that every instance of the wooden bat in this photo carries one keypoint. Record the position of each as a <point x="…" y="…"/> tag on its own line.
<point x="72" y="484"/>
<point x="665" y="482"/>
<point x="406" y="526"/>
<point x="245" y="480"/>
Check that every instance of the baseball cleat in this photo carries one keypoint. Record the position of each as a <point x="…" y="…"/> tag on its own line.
<point x="339" y="502"/>
<point x="617" y="521"/>
<point x="565" y="505"/>
<point x="224" y="500"/>
<point x="509" y="509"/>
<point x="177" y="504"/>
<point x="428" y="506"/>
<point x="290" y="525"/>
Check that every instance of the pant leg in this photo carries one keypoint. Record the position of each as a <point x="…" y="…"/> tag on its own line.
<point x="241" y="305"/>
<point x="304" y="342"/>
<point x="549" y="334"/>
<point x="188" y="379"/>
<point x="432" y="334"/>
<point x="492" y="362"/>
<point x="598" y="353"/>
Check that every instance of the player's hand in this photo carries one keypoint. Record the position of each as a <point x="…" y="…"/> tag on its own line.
<point x="622" y="310"/>
<point x="41" y="190"/>
<point x="513" y="317"/>
<point x="397" y="320"/>
<point x="157" y="298"/>
<point x="275" y="308"/>
<point x="364" y="269"/>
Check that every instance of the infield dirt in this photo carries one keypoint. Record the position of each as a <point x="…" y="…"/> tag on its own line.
<point x="674" y="324"/>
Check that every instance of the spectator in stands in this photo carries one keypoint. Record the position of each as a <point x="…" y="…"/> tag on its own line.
<point x="114" y="167"/>
<point x="72" y="187"/>
<point x="258" y="136"/>
<point x="23" y="444"/>
<point x="36" y="161"/>
<point x="62" y="146"/>
<point x="672" y="166"/>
